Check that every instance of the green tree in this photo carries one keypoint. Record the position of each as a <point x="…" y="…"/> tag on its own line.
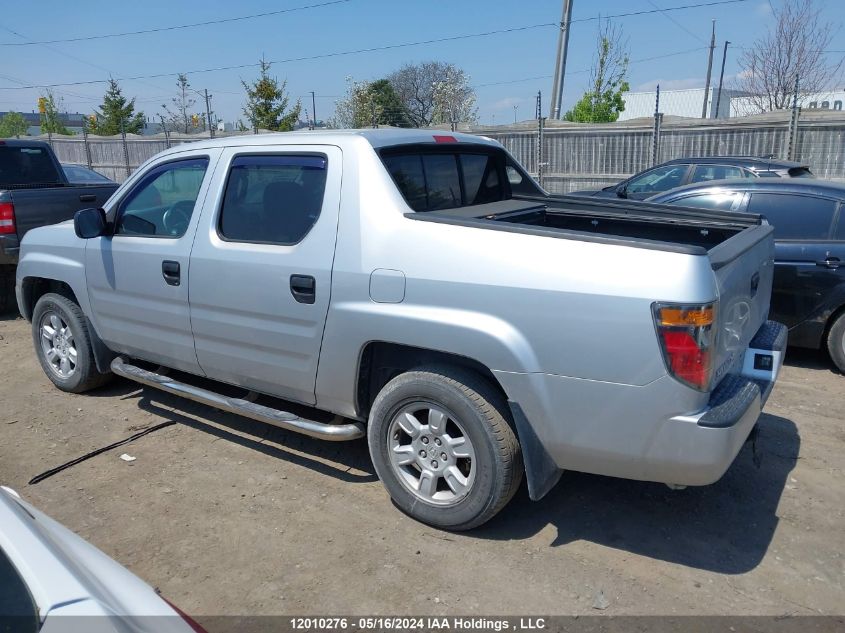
<point x="50" y="121"/>
<point x="13" y="124"/>
<point x="267" y="102"/>
<point x="603" y="102"/>
<point x="370" y="102"/>
<point x="115" y="113"/>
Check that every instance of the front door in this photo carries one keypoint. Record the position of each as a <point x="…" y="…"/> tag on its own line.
<point x="261" y="268"/>
<point x="138" y="276"/>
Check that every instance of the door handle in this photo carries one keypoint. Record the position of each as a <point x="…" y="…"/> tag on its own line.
<point x="171" y="272"/>
<point x="831" y="262"/>
<point x="87" y="197"/>
<point x="303" y="288"/>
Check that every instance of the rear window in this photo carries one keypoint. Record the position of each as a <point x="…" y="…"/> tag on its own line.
<point x="17" y="609"/>
<point x="795" y="217"/>
<point x="432" y="180"/>
<point x="27" y="166"/>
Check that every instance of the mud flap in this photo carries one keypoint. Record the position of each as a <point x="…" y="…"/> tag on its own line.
<point x="541" y="472"/>
<point x="756" y="455"/>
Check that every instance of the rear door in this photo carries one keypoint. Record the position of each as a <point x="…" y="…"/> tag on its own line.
<point x="806" y="261"/>
<point x="261" y="267"/>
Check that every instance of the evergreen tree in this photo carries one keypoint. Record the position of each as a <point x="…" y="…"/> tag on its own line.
<point x="267" y="103"/>
<point x="116" y="111"/>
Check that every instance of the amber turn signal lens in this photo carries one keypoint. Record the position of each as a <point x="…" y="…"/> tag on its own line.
<point x="684" y="317"/>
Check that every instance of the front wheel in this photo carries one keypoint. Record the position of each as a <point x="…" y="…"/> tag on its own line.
<point x="836" y="342"/>
<point x="442" y="446"/>
<point x="63" y="344"/>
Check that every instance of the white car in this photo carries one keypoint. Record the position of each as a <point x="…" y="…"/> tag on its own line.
<point x="53" y="581"/>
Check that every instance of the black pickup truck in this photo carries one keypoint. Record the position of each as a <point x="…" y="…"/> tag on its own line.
<point x="34" y="191"/>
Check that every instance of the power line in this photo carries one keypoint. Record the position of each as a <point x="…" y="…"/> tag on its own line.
<point x="296" y="59"/>
<point x="176" y="27"/>
<point x="586" y="70"/>
<point x="634" y="13"/>
<point x="675" y="22"/>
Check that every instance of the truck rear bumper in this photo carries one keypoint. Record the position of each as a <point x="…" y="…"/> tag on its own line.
<point x="644" y="432"/>
<point x="9" y="249"/>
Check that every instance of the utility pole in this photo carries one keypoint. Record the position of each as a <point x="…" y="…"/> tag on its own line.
<point x="208" y="113"/>
<point x="560" y="61"/>
<point x="707" y="94"/>
<point x="793" y="124"/>
<point x="314" y="110"/>
<point x="514" y="113"/>
<point x="540" y="121"/>
<point x="721" y="79"/>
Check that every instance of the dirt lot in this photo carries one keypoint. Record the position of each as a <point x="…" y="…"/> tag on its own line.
<point x="227" y="516"/>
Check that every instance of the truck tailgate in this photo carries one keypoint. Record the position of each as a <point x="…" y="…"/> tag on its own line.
<point x="743" y="268"/>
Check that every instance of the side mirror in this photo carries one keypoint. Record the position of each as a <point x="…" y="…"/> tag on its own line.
<point x="89" y="223"/>
<point x="622" y="191"/>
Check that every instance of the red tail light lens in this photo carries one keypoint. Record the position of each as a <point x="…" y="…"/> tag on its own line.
<point x="686" y="337"/>
<point x="7" y="218"/>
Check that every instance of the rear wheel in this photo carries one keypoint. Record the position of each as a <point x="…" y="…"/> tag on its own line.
<point x="63" y="344"/>
<point x="836" y="342"/>
<point x="442" y="446"/>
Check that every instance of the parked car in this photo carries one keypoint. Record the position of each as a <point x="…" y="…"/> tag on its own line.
<point x="701" y="169"/>
<point x="80" y="175"/>
<point x="808" y="215"/>
<point x="53" y="580"/>
<point x="420" y="289"/>
<point x="34" y="191"/>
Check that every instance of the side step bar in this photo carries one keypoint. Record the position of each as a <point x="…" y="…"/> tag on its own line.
<point x="239" y="406"/>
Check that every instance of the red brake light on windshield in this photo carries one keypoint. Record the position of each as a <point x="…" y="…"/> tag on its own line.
<point x="445" y="139"/>
<point x="7" y="218"/>
<point x="686" y="338"/>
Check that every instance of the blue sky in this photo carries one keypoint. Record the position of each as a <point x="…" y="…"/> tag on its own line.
<point x="517" y="64"/>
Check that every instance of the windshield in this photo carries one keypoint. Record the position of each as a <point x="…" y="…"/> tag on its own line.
<point x="17" y="608"/>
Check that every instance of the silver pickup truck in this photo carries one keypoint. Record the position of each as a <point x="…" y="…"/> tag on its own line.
<point x="419" y="289"/>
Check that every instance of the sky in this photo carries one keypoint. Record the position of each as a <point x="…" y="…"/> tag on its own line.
<point x="507" y="69"/>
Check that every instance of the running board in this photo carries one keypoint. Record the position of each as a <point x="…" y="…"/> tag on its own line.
<point x="240" y="406"/>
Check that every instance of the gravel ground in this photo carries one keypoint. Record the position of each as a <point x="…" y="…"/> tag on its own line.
<point x="227" y="516"/>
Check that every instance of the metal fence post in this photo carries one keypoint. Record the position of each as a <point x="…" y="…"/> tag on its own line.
<point x="655" y="133"/>
<point x="125" y="147"/>
<point x="85" y="140"/>
<point x="793" y="124"/>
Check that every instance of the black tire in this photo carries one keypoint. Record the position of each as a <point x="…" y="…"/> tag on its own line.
<point x="836" y="342"/>
<point x="482" y="415"/>
<point x="84" y="375"/>
<point x="7" y="292"/>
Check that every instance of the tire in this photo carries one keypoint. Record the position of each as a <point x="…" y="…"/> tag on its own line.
<point x="7" y="292"/>
<point x="836" y="342"/>
<point x="58" y="324"/>
<point x="475" y="466"/>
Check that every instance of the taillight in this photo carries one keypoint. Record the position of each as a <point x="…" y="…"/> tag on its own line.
<point x="7" y="218"/>
<point x="687" y="339"/>
<point x="193" y="624"/>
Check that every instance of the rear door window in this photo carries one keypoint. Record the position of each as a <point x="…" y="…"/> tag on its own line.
<point x="703" y="173"/>
<point x="273" y="199"/>
<point x="839" y="233"/>
<point x="795" y="217"/>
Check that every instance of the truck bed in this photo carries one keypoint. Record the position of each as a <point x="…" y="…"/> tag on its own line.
<point x="637" y="224"/>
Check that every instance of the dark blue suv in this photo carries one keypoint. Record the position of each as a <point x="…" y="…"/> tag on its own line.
<point x="809" y="220"/>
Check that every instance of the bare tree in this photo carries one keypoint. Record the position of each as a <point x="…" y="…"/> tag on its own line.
<point x="431" y="92"/>
<point x="178" y="115"/>
<point x="793" y="47"/>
